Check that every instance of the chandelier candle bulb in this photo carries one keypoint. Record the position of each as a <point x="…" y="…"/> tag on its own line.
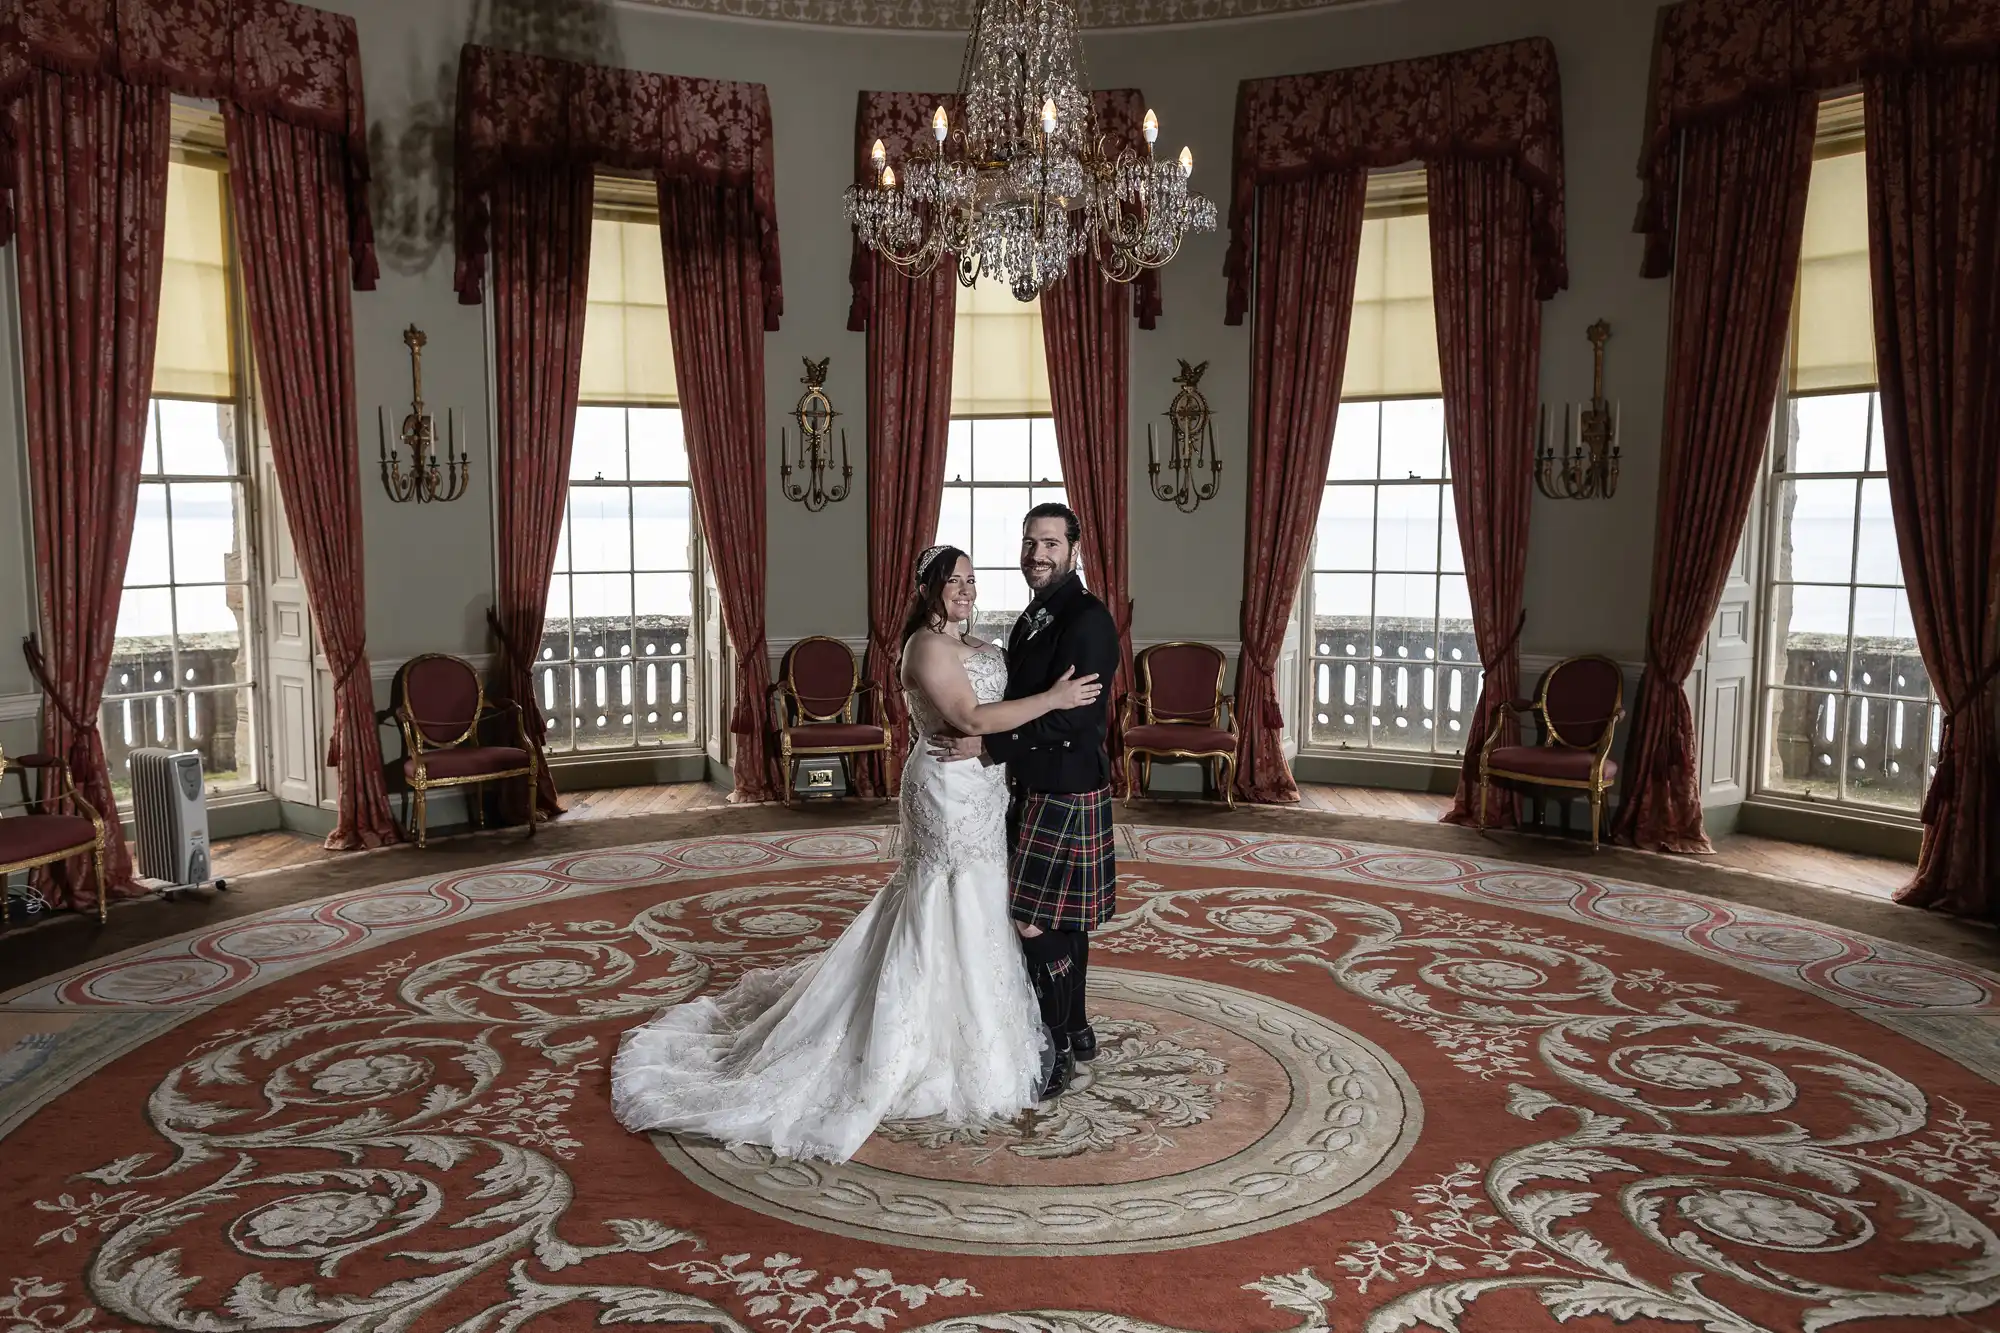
<point x="1187" y="161"/>
<point x="940" y="126"/>
<point x="879" y="155"/>
<point x="1152" y="127"/>
<point x="888" y="178"/>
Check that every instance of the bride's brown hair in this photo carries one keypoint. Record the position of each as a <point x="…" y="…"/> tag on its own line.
<point x="934" y="570"/>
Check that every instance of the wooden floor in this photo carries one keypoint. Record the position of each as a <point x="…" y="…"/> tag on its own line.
<point x="1841" y="871"/>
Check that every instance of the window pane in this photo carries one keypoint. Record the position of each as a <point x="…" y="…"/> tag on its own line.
<point x="1877" y="461"/>
<point x="1399" y="713"/>
<point x="1830" y="433"/>
<point x="149" y="564"/>
<point x="1340" y="607"/>
<point x="208" y="537"/>
<point x="142" y="655"/>
<point x="1885" y="753"/>
<point x="1405" y="615"/>
<point x="1046" y="457"/>
<point x="1345" y="536"/>
<point x="218" y="724"/>
<point x="149" y="458"/>
<point x="658" y="446"/>
<point x="1804" y="730"/>
<point x="598" y="453"/>
<point x="600" y="527"/>
<point x="664" y="705"/>
<point x="197" y="439"/>
<point x="562" y="538"/>
<point x="1876" y="556"/>
<point x="662" y="527"/>
<point x="1886" y="660"/>
<point x="996" y="525"/>
<point x="1809" y="635"/>
<point x="1406" y="527"/>
<point x="1000" y="450"/>
<point x="1453" y="560"/>
<point x="1041" y="495"/>
<point x="211" y="621"/>
<point x="1003" y="595"/>
<point x="1412" y="438"/>
<point x="1339" y="702"/>
<point x="601" y="625"/>
<point x="555" y="623"/>
<point x="1356" y="430"/>
<point x="1815" y="531"/>
<point x="955" y="518"/>
<point x="958" y="451"/>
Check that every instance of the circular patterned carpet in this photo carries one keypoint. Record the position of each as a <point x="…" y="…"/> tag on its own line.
<point x="1341" y="1087"/>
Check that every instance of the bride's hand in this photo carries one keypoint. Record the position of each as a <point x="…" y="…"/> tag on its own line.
<point x="1073" y="691"/>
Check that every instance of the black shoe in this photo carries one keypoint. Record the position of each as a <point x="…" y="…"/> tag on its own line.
<point x="1058" y="1068"/>
<point x="1083" y="1044"/>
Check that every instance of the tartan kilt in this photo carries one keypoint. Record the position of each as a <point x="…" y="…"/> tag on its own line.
<point x="1062" y="867"/>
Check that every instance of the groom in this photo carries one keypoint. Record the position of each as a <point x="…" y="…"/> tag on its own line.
<point x="1060" y="858"/>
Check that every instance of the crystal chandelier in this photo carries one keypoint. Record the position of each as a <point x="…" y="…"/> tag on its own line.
<point x="1028" y="182"/>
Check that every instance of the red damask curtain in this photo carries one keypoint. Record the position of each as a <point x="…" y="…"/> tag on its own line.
<point x="1742" y="181"/>
<point x="541" y="275"/>
<point x="1308" y="238"/>
<point x="910" y="324"/>
<point x="715" y="303"/>
<point x="1087" y="335"/>
<point x="91" y="162"/>
<point x="1934" y="232"/>
<point x="288" y="192"/>
<point x="1489" y="324"/>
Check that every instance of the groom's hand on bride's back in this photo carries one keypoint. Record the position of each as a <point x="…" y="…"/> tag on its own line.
<point x="948" y="746"/>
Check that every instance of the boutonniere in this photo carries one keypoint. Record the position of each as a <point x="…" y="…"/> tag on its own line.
<point x="1038" y="620"/>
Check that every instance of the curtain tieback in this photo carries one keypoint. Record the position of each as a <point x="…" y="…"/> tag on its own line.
<point x="743" y="718"/>
<point x="38" y="667"/>
<point x="340" y="679"/>
<point x="1492" y="700"/>
<point x="1272" y="715"/>
<point x="517" y="660"/>
<point x="1945" y="783"/>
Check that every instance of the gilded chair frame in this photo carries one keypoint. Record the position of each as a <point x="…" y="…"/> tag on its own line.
<point x="1596" y="785"/>
<point x="416" y="746"/>
<point x="786" y="692"/>
<point x="1139" y="712"/>
<point x="38" y="804"/>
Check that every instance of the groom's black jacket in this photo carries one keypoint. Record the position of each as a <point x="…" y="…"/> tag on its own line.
<point x="1060" y="752"/>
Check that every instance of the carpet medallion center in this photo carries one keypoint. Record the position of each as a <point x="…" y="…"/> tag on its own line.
<point x="1210" y="1113"/>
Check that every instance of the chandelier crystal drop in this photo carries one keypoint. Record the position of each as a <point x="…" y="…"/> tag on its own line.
<point x="1029" y="181"/>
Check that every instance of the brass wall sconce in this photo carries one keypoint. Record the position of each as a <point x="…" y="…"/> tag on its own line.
<point x="430" y="477"/>
<point x="1582" y="464"/>
<point x="1193" y="466"/>
<point x="814" y="416"/>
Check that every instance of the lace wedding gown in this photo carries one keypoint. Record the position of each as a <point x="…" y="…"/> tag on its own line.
<point x="921" y="1008"/>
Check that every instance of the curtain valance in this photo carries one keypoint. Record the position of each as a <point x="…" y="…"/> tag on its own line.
<point x="291" y="62"/>
<point x="538" y="111"/>
<point x="1500" y="101"/>
<point x="1713" y="56"/>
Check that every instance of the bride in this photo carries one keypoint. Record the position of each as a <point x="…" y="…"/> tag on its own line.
<point x="922" y="1008"/>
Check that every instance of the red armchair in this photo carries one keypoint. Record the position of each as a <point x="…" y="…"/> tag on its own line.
<point x="1180" y="712"/>
<point x="1577" y="705"/>
<point x="816" y="707"/>
<point x="40" y="836"/>
<point x="439" y="706"/>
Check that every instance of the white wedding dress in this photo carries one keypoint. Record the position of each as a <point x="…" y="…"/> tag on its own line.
<point x="922" y="1008"/>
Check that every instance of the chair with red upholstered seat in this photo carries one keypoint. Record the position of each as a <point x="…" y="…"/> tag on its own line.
<point x="1577" y="706"/>
<point x="440" y="705"/>
<point x="42" y="836"/>
<point x="1180" y="712"/>
<point x="816" y="708"/>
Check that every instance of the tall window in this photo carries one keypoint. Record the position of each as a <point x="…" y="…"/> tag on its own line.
<point x="1850" y="716"/>
<point x="183" y="664"/>
<point x="1393" y="662"/>
<point x="617" y="664"/>
<point x="1001" y="457"/>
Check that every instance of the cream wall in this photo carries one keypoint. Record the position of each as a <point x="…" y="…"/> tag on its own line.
<point x="429" y="568"/>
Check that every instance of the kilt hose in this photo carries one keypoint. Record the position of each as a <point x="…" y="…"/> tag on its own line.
<point x="1062" y="866"/>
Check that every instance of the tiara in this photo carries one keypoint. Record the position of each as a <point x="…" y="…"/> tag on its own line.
<point x="924" y="560"/>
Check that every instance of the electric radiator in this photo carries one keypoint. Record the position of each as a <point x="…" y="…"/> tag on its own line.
<point x="170" y="812"/>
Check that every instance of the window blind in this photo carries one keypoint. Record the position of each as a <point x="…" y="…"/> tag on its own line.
<point x="1833" y="316"/>
<point x="1392" y="349"/>
<point x="194" y="352"/>
<point x="998" y="367"/>
<point x="628" y="350"/>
